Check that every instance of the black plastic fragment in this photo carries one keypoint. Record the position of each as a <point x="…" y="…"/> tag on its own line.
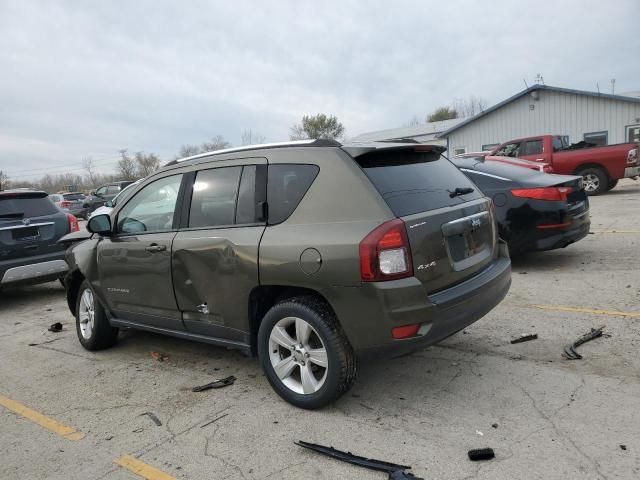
<point x="153" y="418"/>
<point x="55" y="327"/>
<point x="481" y="454"/>
<point x="224" y="382"/>
<point x="395" y="471"/>
<point x="570" y="352"/>
<point x="214" y="420"/>
<point x="525" y="338"/>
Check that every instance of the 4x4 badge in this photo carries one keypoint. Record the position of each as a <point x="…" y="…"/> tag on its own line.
<point x="475" y="223"/>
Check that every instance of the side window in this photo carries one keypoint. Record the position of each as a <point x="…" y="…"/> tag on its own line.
<point x="533" y="147"/>
<point x="286" y="185"/>
<point x="557" y="144"/>
<point x="113" y="189"/>
<point x="101" y="190"/>
<point x="213" y="202"/>
<point x="509" y="150"/>
<point x="152" y="209"/>
<point x="252" y="195"/>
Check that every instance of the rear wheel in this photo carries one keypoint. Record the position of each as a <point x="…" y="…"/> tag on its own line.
<point x="305" y="354"/>
<point x="92" y="325"/>
<point x="595" y="180"/>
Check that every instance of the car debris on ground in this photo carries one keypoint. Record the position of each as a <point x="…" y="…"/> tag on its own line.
<point x="159" y="357"/>
<point x="214" y="420"/>
<point x="525" y="337"/>
<point x="153" y="418"/>
<point x="570" y="350"/>
<point x="224" y="382"/>
<point x="481" y="454"/>
<point x="395" y="471"/>
<point x="55" y="327"/>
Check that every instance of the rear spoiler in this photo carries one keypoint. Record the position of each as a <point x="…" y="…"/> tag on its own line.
<point x="358" y="149"/>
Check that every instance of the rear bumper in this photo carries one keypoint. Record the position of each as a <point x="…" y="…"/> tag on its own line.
<point x="29" y="270"/>
<point x="382" y="306"/>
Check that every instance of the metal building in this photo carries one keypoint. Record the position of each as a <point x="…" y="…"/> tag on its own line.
<point x="423" y="133"/>
<point x="590" y="116"/>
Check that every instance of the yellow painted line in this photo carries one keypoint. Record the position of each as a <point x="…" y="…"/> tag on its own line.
<point x="36" y="417"/>
<point x="142" y="469"/>
<point x="614" y="231"/>
<point x="614" y="313"/>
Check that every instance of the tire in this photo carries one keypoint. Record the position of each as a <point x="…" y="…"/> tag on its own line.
<point x="612" y="184"/>
<point x="595" y="180"/>
<point x="92" y="325"/>
<point x="291" y="335"/>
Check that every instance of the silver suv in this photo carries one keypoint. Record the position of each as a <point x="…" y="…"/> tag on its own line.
<point x="307" y="254"/>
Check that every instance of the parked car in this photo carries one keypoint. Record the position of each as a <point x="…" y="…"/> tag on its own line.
<point x="109" y="205"/>
<point x="30" y="225"/>
<point x="600" y="166"/>
<point x="535" y="210"/>
<point x="104" y="193"/>
<point x="304" y="253"/>
<point x="74" y="203"/>
<point x="521" y="162"/>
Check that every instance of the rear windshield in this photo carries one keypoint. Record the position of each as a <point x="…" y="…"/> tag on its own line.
<point x="73" y="196"/>
<point x="26" y="207"/>
<point x="413" y="182"/>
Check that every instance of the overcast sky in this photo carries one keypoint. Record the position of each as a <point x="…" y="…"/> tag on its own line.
<point x="88" y="78"/>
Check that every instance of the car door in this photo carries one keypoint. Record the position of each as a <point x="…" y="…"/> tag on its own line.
<point x="532" y="150"/>
<point x="134" y="264"/>
<point x="215" y="253"/>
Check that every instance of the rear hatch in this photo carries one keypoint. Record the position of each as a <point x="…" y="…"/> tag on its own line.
<point x="450" y="224"/>
<point x="75" y="201"/>
<point x="30" y="224"/>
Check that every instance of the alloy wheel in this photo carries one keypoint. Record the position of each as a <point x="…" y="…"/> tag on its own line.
<point x="591" y="182"/>
<point x="298" y="355"/>
<point x="86" y="314"/>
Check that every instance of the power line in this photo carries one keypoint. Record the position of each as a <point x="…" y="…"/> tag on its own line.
<point x="56" y="167"/>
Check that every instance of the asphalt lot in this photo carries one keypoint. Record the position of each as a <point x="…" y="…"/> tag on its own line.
<point x="556" y="419"/>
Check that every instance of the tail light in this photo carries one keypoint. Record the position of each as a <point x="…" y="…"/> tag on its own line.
<point x="385" y="253"/>
<point x="65" y="204"/>
<point x="73" y="223"/>
<point x="553" y="194"/>
<point x="632" y="156"/>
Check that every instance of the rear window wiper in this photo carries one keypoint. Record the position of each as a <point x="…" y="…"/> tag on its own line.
<point x="460" y="191"/>
<point x="12" y="215"/>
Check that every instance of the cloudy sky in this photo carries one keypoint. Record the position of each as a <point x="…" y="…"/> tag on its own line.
<point x="87" y="78"/>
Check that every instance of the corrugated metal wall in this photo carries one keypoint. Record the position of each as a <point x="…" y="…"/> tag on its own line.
<point x="553" y="113"/>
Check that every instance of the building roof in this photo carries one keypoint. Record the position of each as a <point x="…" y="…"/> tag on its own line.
<point x="426" y="129"/>
<point x="533" y="88"/>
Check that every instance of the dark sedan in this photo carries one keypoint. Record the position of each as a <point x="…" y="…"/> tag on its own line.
<point x="535" y="210"/>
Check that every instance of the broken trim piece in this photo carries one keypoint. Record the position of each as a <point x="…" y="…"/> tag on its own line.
<point x="395" y="471"/>
<point x="570" y="350"/>
<point x="224" y="382"/>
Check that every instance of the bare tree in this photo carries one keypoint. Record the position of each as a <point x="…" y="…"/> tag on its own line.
<point x="216" y="143"/>
<point x="87" y="164"/>
<point x="188" y="151"/>
<point x="4" y="181"/>
<point x="146" y="163"/>
<point x="470" y="107"/>
<point x="126" y="166"/>
<point x="249" y="137"/>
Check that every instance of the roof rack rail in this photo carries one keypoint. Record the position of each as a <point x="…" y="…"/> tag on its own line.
<point x="318" y="142"/>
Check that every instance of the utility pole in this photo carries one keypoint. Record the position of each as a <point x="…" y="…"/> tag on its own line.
<point x="613" y="86"/>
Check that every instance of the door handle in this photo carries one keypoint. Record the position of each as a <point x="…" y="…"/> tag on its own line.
<point x="154" y="247"/>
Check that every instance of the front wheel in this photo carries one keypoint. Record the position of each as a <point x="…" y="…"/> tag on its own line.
<point x="612" y="184"/>
<point x="595" y="180"/>
<point x="305" y="354"/>
<point x="92" y="325"/>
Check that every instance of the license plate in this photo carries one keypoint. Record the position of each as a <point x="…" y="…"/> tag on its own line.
<point x="25" y="233"/>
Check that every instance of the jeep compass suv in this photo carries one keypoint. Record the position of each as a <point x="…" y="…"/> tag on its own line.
<point x="306" y="254"/>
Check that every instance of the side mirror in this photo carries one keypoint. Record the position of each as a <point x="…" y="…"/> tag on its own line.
<point x="109" y="204"/>
<point x="92" y="192"/>
<point x="100" y="224"/>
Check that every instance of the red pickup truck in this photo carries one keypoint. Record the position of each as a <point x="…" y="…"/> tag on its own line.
<point x="600" y="166"/>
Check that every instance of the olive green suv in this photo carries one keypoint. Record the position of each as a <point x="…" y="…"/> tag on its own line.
<point x="308" y="254"/>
